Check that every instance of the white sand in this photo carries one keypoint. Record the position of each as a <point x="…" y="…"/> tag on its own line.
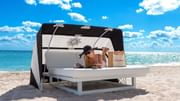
<point x="161" y="84"/>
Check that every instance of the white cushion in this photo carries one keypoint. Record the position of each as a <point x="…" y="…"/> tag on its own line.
<point x="63" y="58"/>
<point x="103" y="73"/>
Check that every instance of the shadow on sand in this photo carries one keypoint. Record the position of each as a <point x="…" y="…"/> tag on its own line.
<point x="31" y="93"/>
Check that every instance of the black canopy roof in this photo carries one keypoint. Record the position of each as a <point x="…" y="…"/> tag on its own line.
<point x="95" y="31"/>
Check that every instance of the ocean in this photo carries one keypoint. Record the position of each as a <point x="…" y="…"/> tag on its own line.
<point x="21" y="60"/>
<point x="15" y="60"/>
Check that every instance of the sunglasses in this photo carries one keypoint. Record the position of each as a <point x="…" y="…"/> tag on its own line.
<point x="87" y="53"/>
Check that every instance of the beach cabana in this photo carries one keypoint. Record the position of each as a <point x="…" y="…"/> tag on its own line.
<point x="58" y="46"/>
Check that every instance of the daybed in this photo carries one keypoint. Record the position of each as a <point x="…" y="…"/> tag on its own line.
<point x="60" y="65"/>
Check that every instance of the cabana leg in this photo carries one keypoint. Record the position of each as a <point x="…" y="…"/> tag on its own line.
<point x="133" y="81"/>
<point x="41" y="84"/>
<point x="50" y="79"/>
<point x="79" y="88"/>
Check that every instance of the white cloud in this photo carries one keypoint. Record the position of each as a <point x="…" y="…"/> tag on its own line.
<point x="128" y="34"/>
<point x="142" y="30"/>
<point x="57" y="21"/>
<point x="164" y="38"/>
<point x="26" y="27"/>
<point x="158" y="34"/>
<point x="63" y="4"/>
<point x="77" y="17"/>
<point x="77" y="5"/>
<point x="18" y="29"/>
<point x="169" y="28"/>
<point x="31" y="2"/>
<point x="158" y="7"/>
<point x="104" y="17"/>
<point x="29" y="30"/>
<point x="156" y="40"/>
<point x="139" y="10"/>
<point x="11" y="29"/>
<point x="168" y="32"/>
<point x="162" y="42"/>
<point x="127" y="26"/>
<point x="31" y="24"/>
<point x="17" y="42"/>
<point x="18" y="37"/>
<point x="50" y="2"/>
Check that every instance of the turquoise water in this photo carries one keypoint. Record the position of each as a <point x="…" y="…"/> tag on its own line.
<point x="15" y="60"/>
<point x="21" y="60"/>
<point x="151" y="58"/>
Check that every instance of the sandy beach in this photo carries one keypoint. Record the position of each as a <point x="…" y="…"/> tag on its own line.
<point x="160" y="84"/>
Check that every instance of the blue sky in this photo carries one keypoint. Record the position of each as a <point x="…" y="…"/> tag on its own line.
<point x="148" y="25"/>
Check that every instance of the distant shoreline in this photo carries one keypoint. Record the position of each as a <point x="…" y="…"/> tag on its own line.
<point x="15" y="71"/>
<point x="125" y="51"/>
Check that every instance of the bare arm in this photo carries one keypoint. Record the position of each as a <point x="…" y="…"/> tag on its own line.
<point x="86" y="61"/>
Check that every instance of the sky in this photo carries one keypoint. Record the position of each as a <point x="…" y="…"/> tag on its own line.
<point x="147" y="25"/>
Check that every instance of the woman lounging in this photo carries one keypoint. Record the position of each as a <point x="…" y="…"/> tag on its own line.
<point x="93" y="60"/>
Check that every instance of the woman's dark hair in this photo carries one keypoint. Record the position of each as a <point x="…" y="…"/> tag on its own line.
<point x="86" y="49"/>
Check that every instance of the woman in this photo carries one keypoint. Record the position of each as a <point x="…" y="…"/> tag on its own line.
<point x="93" y="60"/>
